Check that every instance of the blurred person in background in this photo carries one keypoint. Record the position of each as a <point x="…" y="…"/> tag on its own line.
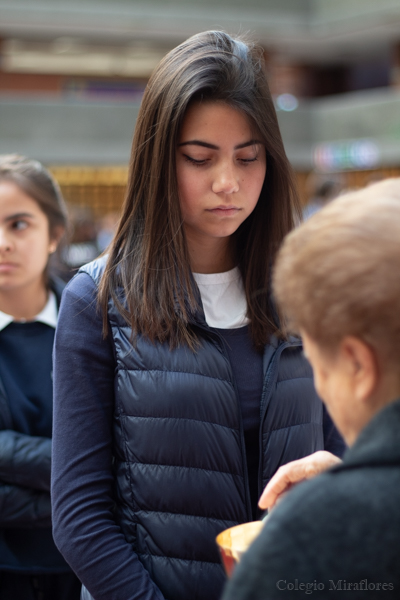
<point x="177" y="401"/>
<point x="32" y="223"/>
<point x="82" y="246"/>
<point x="107" y="226"/>
<point x="322" y="189"/>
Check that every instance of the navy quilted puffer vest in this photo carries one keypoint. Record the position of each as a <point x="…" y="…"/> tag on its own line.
<point x="180" y="467"/>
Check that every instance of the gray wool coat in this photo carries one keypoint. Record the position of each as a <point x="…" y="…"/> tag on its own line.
<point x="337" y="536"/>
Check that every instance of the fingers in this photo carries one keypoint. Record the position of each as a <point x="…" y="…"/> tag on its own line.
<point x="279" y="484"/>
<point x="294" y="472"/>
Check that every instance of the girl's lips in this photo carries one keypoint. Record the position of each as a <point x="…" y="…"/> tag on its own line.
<point x="224" y="211"/>
<point x="6" y="267"/>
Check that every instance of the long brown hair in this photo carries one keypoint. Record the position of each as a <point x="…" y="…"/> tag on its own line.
<point x="149" y="258"/>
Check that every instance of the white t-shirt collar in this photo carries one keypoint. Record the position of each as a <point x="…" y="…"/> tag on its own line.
<point x="48" y="315"/>
<point x="223" y="298"/>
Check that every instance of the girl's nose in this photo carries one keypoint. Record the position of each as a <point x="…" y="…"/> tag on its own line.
<point x="5" y="244"/>
<point x="226" y="180"/>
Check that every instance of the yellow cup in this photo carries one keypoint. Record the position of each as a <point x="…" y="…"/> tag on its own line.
<point x="233" y="542"/>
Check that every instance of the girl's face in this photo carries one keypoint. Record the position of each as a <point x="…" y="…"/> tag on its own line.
<point x="220" y="170"/>
<point x="25" y="242"/>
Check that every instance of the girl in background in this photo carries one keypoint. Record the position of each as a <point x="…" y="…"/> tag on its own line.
<point x="32" y="222"/>
<point x="176" y="396"/>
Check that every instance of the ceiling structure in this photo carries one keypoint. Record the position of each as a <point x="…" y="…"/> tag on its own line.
<point x="304" y="30"/>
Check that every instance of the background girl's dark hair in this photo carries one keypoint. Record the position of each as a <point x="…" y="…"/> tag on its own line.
<point x="149" y="257"/>
<point x="37" y="183"/>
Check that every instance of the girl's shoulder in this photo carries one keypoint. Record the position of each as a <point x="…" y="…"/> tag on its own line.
<point x="95" y="269"/>
<point x="84" y="284"/>
<point x="79" y="308"/>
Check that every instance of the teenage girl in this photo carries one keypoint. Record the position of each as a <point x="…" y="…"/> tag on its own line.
<point x="32" y="222"/>
<point x="177" y="398"/>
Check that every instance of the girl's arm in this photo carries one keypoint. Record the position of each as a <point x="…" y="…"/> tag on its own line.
<point x="23" y="507"/>
<point x="24" y="480"/>
<point x="25" y="460"/>
<point x="84" y="528"/>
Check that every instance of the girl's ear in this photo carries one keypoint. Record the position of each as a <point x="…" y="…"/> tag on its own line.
<point x="57" y="234"/>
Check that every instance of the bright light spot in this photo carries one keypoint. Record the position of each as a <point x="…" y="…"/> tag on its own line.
<point x="287" y="102"/>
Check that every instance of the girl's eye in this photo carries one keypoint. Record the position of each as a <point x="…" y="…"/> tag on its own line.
<point x="248" y="160"/>
<point x="195" y="161"/>
<point x="19" y="225"/>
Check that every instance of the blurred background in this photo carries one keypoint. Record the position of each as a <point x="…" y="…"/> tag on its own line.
<point x="72" y="76"/>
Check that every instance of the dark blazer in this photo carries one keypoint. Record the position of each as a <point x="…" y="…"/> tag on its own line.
<point x="339" y="533"/>
<point x="179" y="452"/>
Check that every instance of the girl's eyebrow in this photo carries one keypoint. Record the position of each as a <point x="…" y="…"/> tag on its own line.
<point x="213" y="147"/>
<point x="21" y="215"/>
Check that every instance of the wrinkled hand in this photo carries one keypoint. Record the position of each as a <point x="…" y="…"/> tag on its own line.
<point x="293" y="472"/>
